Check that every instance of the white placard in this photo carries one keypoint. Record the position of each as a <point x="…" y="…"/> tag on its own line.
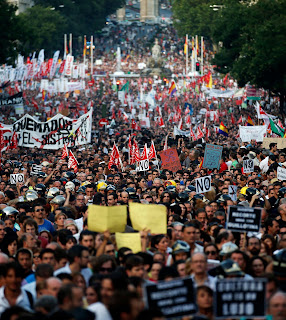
<point x="16" y="177"/>
<point x="248" y="133"/>
<point x="232" y="192"/>
<point x="36" y="168"/>
<point x="248" y="166"/>
<point x="203" y="184"/>
<point x="143" y="165"/>
<point x="281" y="173"/>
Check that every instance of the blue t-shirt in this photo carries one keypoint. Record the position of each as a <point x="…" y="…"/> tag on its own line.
<point x="47" y="225"/>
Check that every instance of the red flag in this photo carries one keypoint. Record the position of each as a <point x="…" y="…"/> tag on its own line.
<point x="34" y="103"/>
<point x="152" y="152"/>
<point x="192" y="134"/>
<point x="133" y="124"/>
<point x="232" y="119"/>
<point x="166" y="143"/>
<point x="114" y="158"/>
<point x="65" y="152"/>
<point x="2" y="143"/>
<point x="239" y="120"/>
<point x="72" y="163"/>
<point x="144" y="154"/>
<point x="136" y="151"/>
<point x="14" y="141"/>
<point x="180" y="126"/>
<point x="199" y="133"/>
<point x="161" y="122"/>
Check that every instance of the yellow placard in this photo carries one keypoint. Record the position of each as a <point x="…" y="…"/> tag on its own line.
<point x="102" y="218"/>
<point x="148" y="216"/>
<point x="129" y="240"/>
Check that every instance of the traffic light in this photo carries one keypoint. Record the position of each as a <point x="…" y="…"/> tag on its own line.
<point x="117" y="84"/>
<point x="197" y="66"/>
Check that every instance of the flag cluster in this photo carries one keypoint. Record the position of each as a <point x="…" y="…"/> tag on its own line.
<point x="72" y="162"/>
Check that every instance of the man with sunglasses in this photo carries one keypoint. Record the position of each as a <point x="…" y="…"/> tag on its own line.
<point x="43" y="224"/>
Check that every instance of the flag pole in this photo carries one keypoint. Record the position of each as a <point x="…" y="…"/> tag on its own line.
<point x="65" y="46"/>
<point x="187" y="54"/>
<point x="91" y="56"/>
<point x="71" y="44"/>
<point x="84" y="49"/>
<point x="202" y="56"/>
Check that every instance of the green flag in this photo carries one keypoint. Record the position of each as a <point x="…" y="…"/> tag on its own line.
<point x="125" y="87"/>
<point x="276" y="129"/>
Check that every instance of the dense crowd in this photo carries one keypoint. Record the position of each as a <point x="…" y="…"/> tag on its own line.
<point x="52" y="266"/>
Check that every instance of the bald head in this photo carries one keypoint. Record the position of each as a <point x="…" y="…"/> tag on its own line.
<point x="3" y="258"/>
<point x="277" y="306"/>
<point x="53" y="285"/>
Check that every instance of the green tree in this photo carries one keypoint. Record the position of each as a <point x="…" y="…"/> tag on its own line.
<point x="41" y="28"/>
<point x="195" y="16"/>
<point x="253" y="36"/>
<point x="83" y="16"/>
<point x="8" y="34"/>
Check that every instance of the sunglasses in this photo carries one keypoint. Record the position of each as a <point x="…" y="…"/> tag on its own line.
<point x="210" y="252"/>
<point x="39" y="210"/>
<point x="106" y="269"/>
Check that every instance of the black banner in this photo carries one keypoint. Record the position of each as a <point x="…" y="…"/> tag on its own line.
<point x="237" y="298"/>
<point x="12" y="100"/>
<point x="174" y="298"/>
<point x="243" y="219"/>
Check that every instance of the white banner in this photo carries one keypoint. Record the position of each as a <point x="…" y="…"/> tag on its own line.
<point x="178" y="132"/>
<point x="281" y="173"/>
<point x="143" y="165"/>
<point x="248" y="133"/>
<point x="52" y="134"/>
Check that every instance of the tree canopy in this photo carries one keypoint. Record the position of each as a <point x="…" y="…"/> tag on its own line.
<point x="8" y="34"/>
<point x="252" y="34"/>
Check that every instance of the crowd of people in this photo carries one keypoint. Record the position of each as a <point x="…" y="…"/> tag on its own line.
<point x="52" y="266"/>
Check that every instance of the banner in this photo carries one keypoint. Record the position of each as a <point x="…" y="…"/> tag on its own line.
<point x="69" y="66"/>
<point x="178" y="132"/>
<point x="248" y="133"/>
<point x="281" y="173"/>
<point x="12" y="100"/>
<point x="53" y="134"/>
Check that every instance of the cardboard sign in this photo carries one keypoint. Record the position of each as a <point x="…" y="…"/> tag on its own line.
<point x="170" y="160"/>
<point x="232" y="192"/>
<point x="248" y="166"/>
<point x="281" y="173"/>
<point x="237" y="298"/>
<point x="174" y="299"/>
<point x="243" y="219"/>
<point x="203" y="184"/>
<point x="148" y="216"/>
<point x="281" y="142"/>
<point x="128" y="240"/>
<point x="17" y="177"/>
<point x="212" y="156"/>
<point x="102" y="218"/>
<point x="143" y="165"/>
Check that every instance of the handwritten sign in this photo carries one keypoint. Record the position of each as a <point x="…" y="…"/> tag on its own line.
<point x="232" y="192"/>
<point x="281" y="173"/>
<point x="170" y="160"/>
<point x="16" y="177"/>
<point x="212" y="156"/>
<point x="203" y="184"/>
<point x="143" y="165"/>
<point x="248" y="165"/>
